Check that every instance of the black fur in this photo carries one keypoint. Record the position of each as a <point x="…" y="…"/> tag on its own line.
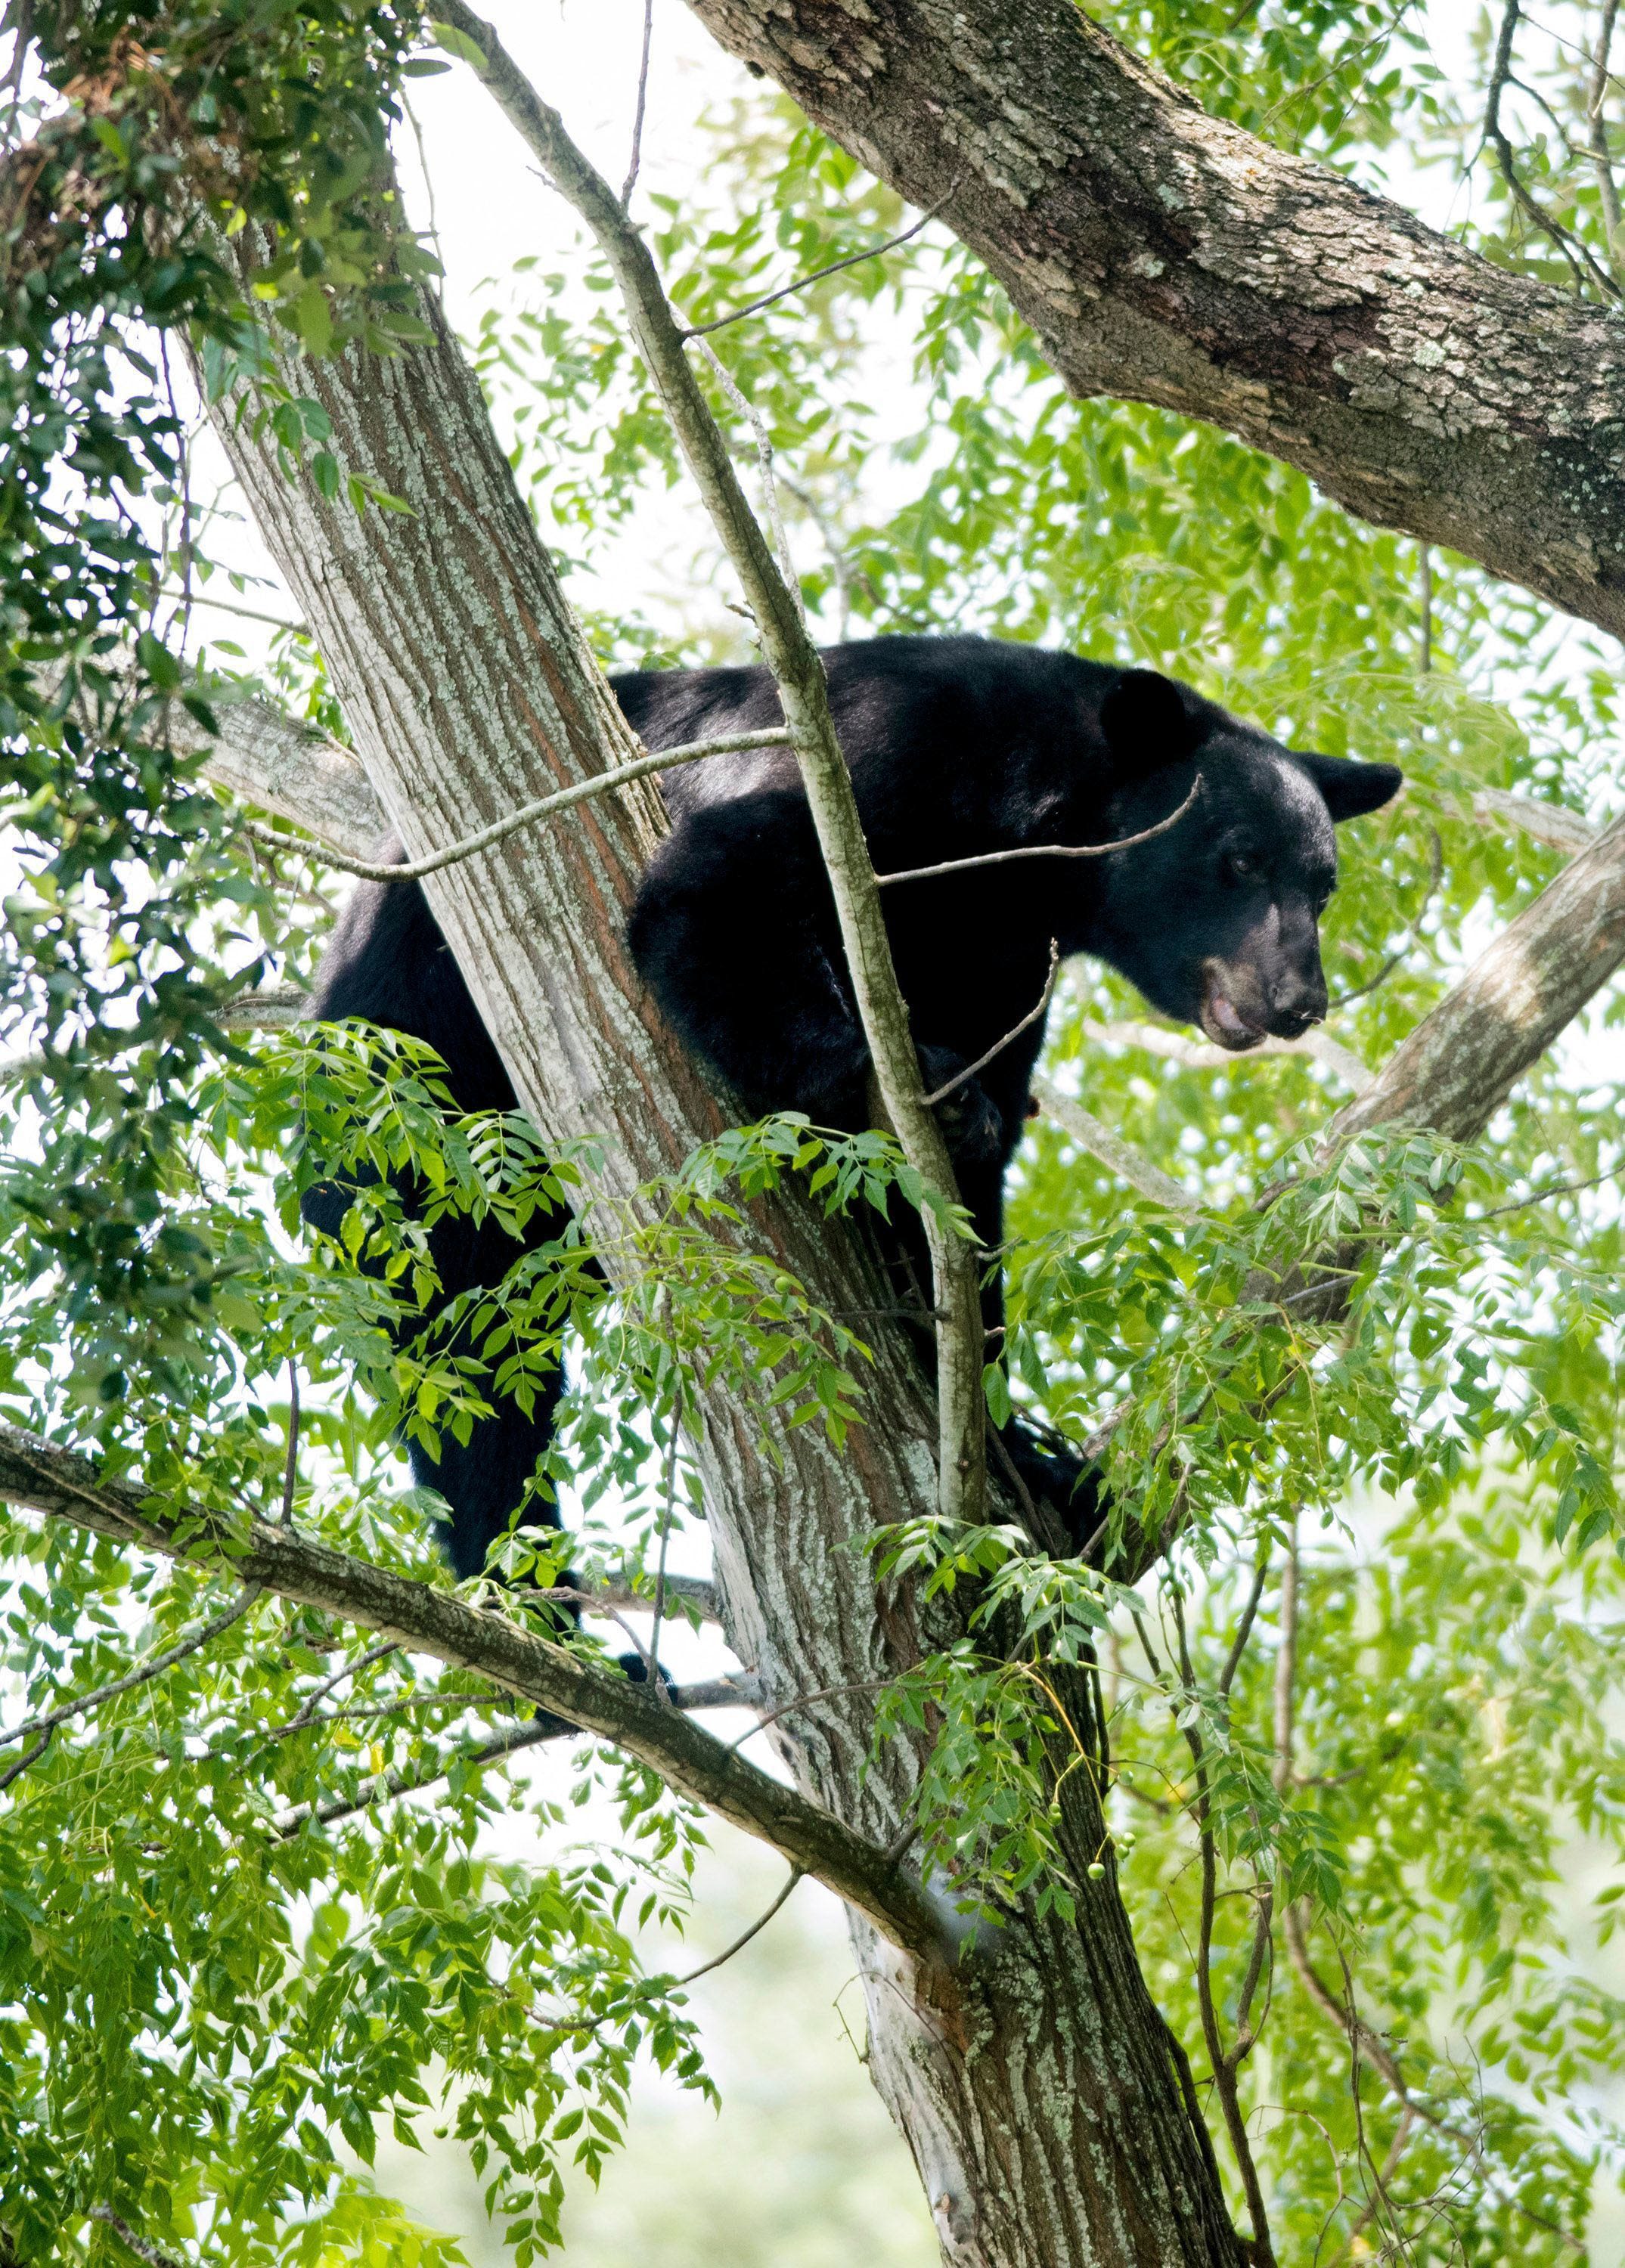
<point x="958" y="746"/>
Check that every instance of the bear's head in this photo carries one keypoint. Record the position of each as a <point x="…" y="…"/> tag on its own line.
<point x="1216" y="918"/>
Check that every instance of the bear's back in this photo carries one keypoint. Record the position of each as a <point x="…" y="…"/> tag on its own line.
<point x="912" y="713"/>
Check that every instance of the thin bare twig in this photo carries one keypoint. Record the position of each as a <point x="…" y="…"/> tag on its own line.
<point x="1602" y="156"/>
<point x="1044" y="850"/>
<point x="667" y="1516"/>
<point x="141" y="1676"/>
<point x="552" y="2020"/>
<point x="962" y="1077"/>
<point x="804" y="283"/>
<point x="1380" y="2181"/>
<point x="200" y="597"/>
<point x="775" y="736"/>
<point x="1222" y="2064"/>
<point x="806" y="1701"/>
<point x="631" y="182"/>
<point x="567" y="1594"/>
<point x="29" y="1757"/>
<point x="306" y="1711"/>
<point x="745" y="1935"/>
<point x="1243" y="1627"/>
<point x="1552" y="1190"/>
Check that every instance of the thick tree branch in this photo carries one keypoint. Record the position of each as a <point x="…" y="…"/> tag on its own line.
<point x="1164" y="256"/>
<point x="799" y="673"/>
<point x="564" y="1683"/>
<point x="270" y="759"/>
<point x="1455" y="1070"/>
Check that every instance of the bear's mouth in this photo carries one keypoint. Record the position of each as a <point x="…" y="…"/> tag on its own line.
<point x="1227" y="1024"/>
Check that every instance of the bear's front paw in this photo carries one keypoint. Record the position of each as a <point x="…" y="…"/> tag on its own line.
<point x="970" y="1122"/>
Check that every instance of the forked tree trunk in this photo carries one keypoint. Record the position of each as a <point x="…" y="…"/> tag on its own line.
<point x="1034" y="2080"/>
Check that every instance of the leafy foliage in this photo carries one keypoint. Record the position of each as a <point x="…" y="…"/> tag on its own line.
<point x="248" y="1907"/>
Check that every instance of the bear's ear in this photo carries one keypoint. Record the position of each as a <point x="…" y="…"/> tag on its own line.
<point x="1146" y="722"/>
<point x="1351" y="788"/>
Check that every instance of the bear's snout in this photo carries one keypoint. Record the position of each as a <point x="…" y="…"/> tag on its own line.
<point x="1243" y="1003"/>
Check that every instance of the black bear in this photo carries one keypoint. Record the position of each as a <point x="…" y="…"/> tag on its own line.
<point x="958" y="747"/>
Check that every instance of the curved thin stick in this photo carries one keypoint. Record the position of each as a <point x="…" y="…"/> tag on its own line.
<point x="1048" y="850"/>
<point x="960" y="1078"/>
<point x="686" y="331"/>
<point x="743" y="1939"/>
<point x="725" y="744"/>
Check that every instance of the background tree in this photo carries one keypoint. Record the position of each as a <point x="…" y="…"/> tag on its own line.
<point x="247" y="1911"/>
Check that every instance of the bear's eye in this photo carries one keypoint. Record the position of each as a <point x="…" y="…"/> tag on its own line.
<point x="1242" y="865"/>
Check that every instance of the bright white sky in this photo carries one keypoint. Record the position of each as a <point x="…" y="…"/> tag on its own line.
<point x="488" y="208"/>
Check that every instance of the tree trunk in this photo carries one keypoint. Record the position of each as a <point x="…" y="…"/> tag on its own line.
<point x="1163" y="257"/>
<point x="1033" y="2078"/>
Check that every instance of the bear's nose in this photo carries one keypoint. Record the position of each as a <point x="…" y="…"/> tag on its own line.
<point x="1298" y="1001"/>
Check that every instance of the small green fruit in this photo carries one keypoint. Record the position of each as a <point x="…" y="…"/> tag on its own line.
<point x="1097" y="1873"/>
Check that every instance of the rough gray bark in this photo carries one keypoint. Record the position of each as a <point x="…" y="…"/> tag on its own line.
<point x="1035" y="2082"/>
<point x="1163" y="257"/>
<point x="270" y="759"/>
<point x="1461" y="1062"/>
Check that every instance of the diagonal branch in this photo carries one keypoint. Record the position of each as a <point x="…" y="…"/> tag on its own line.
<point x="799" y="671"/>
<point x="1131" y="1165"/>
<point x="1602" y="156"/>
<point x="1163" y="255"/>
<point x="1546" y="224"/>
<point x="486" y="838"/>
<point x="270" y="759"/>
<point x="81" y="1703"/>
<point x="1458" y="1065"/>
<point x="37" y="1474"/>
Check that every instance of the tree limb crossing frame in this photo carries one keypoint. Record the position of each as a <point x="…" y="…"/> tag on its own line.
<point x="560" y="1679"/>
<point x="1163" y="255"/>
